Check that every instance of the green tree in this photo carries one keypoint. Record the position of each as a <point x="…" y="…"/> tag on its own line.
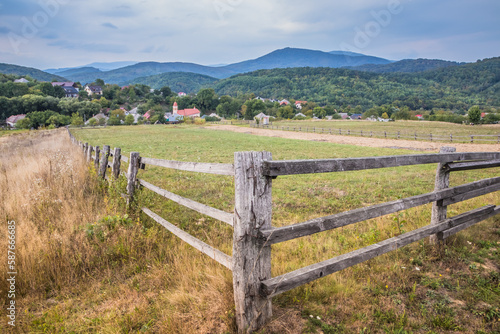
<point x="92" y="122"/>
<point x="24" y="123"/>
<point x="129" y="119"/>
<point x="474" y="114"/>
<point x="76" y="120"/>
<point x="319" y="112"/>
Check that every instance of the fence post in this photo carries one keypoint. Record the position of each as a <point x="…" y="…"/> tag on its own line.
<point x="85" y="147"/>
<point x="96" y="161"/>
<point x="133" y="168"/>
<point x="251" y="259"/>
<point x="104" y="161"/>
<point x="439" y="211"/>
<point x="117" y="155"/>
<point x="90" y="149"/>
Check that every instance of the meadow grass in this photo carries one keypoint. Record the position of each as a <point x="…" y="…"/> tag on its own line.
<point x="134" y="276"/>
<point x="405" y="128"/>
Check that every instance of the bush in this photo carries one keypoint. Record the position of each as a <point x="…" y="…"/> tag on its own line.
<point x="199" y="121"/>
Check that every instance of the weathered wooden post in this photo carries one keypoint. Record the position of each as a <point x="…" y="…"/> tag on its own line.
<point x="251" y="258"/>
<point x="439" y="210"/>
<point x="104" y="161"/>
<point x="133" y="168"/>
<point x="85" y="149"/>
<point x="115" y="168"/>
<point x="96" y="161"/>
<point x="90" y="149"/>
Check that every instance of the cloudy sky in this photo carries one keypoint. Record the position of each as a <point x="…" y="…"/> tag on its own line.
<point x="64" y="33"/>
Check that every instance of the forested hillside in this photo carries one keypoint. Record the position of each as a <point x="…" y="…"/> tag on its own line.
<point x="177" y="81"/>
<point x="29" y="71"/>
<point x="457" y="87"/>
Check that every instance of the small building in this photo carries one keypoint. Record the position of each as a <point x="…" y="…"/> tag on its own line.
<point x="70" y="91"/>
<point x="356" y="116"/>
<point x="344" y="115"/>
<point x="98" y="117"/>
<point x="284" y="102"/>
<point x="419" y="116"/>
<point x="193" y="113"/>
<point x="300" y="115"/>
<point x="22" y="80"/>
<point x="65" y="84"/>
<point x="12" y="120"/>
<point x="97" y="90"/>
<point x="181" y="94"/>
<point x="263" y="118"/>
<point x="300" y="104"/>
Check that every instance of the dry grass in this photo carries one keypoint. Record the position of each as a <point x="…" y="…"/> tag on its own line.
<point x="79" y="272"/>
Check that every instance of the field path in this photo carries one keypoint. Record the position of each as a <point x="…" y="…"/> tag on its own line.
<point x="360" y="141"/>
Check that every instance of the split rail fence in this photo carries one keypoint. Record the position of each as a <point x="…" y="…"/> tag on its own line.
<point x="253" y="233"/>
<point x="386" y="134"/>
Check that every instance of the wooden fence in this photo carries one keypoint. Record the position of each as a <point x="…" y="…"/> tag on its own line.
<point x="253" y="233"/>
<point x="386" y="134"/>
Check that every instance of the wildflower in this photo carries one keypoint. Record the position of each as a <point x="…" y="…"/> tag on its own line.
<point x="417" y="268"/>
<point x="311" y="316"/>
<point x="318" y="317"/>
<point x="470" y="243"/>
<point x="387" y="287"/>
<point x="440" y="275"/>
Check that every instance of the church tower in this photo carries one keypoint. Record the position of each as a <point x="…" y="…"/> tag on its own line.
<point x="175" y="108"/>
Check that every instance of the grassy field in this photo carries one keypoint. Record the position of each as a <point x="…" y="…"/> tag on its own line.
<point x="133" y="276"/>
<point x="406" y="128"/>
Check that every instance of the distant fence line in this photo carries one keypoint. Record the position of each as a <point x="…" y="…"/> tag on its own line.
<point x="385" y="134"/>
<point x="253" y="233"/>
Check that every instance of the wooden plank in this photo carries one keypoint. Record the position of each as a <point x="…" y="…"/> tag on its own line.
<point x="115" y="166"/>
<point x="124" y="158"/>
<point x="449" y="232"/>
<point x="280" y="284"/>
<point x="280" y="234"/>
<point x="210" y="168"/>
<point x="251" y="259"/>
<point x="292" y="167"/>
<point x="104" y="161"/>
<point x="133" y="169"/>
<point x="471" y="194"/>
<point x="201" y="208"/>
<point x="97" y="159"/>
<point x="206" y="249"/>
<point x="459" y="166"/>
<point x="442" y="181"/>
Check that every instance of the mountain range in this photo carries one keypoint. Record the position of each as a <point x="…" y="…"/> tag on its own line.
<point x="190" y="77"/>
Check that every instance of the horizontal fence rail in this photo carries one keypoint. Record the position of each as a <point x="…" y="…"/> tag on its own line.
<point x="322" y="224"/>
<point x="495" y="138"/>
<point x="291" y="167"/>
<point x="188" y="203"/>
<point x="209" y="168"/>
<point x="206" y="249"/>
<point x="280" y="284"/>
<point x="253" y="233"/>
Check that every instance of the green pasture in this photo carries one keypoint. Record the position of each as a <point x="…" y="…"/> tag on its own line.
<point x="406" y="291"/>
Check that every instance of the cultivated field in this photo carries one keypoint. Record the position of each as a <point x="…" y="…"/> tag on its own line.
<point x="130" y="275"/>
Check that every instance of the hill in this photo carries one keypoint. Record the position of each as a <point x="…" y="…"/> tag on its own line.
<point x="456" y="87"/>
<point x="406" y="66"/>
<point x="32" y="72"/>
<point x="284" y="58"/>
<point x="292" y="57"/>
<point x="177" y="81"/>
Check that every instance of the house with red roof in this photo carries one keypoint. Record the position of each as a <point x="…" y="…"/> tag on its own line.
<point x="186" y="112"/>
<point x="12" y="120"/>
<point x="298" y="104"/>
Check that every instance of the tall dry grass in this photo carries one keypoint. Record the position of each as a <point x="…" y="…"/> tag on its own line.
<point x="84" y="264"/>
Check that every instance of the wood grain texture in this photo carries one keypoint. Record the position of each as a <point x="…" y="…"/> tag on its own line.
<point x="133" y="169"/>
<point x="291" y="167"/>
<point x="210" y="168"/>
<point x="251" y="259"/>
<point x="115" y="167"/>
<point x="280" y="284"/>
<point x="280" y="234"/>
<point x="103" y="164"/>
<point x="459" y="166"/>
<point x="97" y="158"/>
<point x="442" y="181"/>
<point x="199" y="207"/>
<point x="206" y="249"/>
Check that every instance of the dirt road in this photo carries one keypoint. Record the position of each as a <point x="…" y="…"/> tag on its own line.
<point x="361" y="141"/>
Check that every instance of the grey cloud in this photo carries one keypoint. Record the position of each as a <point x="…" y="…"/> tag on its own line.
<point x="90" y="47"/>
<point x="109" y="25"/>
